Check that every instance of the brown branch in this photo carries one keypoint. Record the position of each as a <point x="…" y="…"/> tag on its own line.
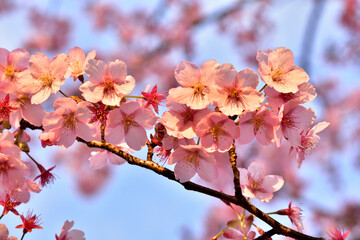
<point x="277" y="228"/>
<point x="240" y="201"/>
<point x="236" y="172"/>
<point x="266" y="235"/>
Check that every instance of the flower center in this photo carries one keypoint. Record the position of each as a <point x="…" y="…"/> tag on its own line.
<point x="277" y="75"/>
<point x="47" y="79"/>
<point x="257" y="121"/>
<point x="10" y="72"/>
<point x="216" y="131"/>
<point x="69" y="121"/>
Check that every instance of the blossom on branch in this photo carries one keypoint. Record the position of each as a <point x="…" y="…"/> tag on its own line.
<point x="255" y="184"/>
<point x="12" y="64"/>
<point x="277" y="70"/>
<point x="193" y="159"/>
<point x="195" y="83"/>
<point x="44" y="76"/>
<point x="68" y="121"/>
<point x="78" y="62"/>
<point x="108" y="82"/>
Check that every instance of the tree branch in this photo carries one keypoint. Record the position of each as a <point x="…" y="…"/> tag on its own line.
<point x="236" y="172"/>
<point x="277" y="228"/>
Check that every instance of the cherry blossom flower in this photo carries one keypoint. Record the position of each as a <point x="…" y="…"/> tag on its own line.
<point x="240" y="229"/>
<point x="261" y="124"/>
<point x="193" y="159"/>
<point x="337" y="234"/>
<point x="4" y="233"/>
<point x="99" y="158"/>
<point x="100" y="114"/>
<point x="181" y="120"/>
<point x="277" y="70"/>
<point x="108" y="82"/>
<point x="195" y="82"/>
<point x="306" y="141"/>
<point x="217" y="132"/>
<point x="255" y="184"/>
<point x="12" y="63"/>
<point x="46" y="177"/>
<point x="129" y="121"/>
<point x="44" y="76"/>
<point x="30" y="222"/>
<point x="67" y="234"/>
<point x="9" y="204"/>
<point x="294" y="213"/>
<point x="153" y="98"/>
<point x="68" y="121"/>
<point x="236" y="92"/>
<point x="295" y="119"/>
<point x="78" y="62"/>
<point x="12" y="169"/>
<point x="276" y="99"/>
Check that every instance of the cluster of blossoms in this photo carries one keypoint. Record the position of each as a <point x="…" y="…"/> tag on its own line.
<point x="215" y="106"/>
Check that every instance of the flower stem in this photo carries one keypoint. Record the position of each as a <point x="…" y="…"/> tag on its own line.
<point x="63" y="93"/>
<point x="198" y="141"/>
<point x="218" y="235"/>
<point x="2" y="216"/>
<point x="130" y="96"/>
<point x="22" y="237"/>
<point x="263" y="88"/>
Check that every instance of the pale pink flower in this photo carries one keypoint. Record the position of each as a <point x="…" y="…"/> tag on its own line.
<point x="78" y="62"/>
<point x="181" y="120"/>
<point x="67" y="234"/>
<point x="217" y="132"/>
<point x="236" y="92"/>
<point x="276" y="99"/>
<point x="193" y="159"/>
<point x="44" y="76"/>
<point x="255" y="184"/>
<point x="129" y="121"/>
<point x="338" y="234"/>
<point x="4" y="233"/>
<point x="33" y="113"/>
<point x="108" y="82"/>
<point x="12" y="63"/>
<point x="304" y="142"/>
<point x="99" y="158"/>
<point x="68" y="121"/>
<point x="294" y="213"/>
<point x="240" y="230"/>
<point x="261" y="124"/>
<point x="12" y="169"/>
<point x="195" y="83"/>
<point x="277" y="70"/>
<point x="295" y="119"/>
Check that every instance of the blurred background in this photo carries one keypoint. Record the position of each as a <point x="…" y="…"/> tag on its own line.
<point x="152" y="37"/>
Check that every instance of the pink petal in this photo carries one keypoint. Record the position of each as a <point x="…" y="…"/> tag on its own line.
<point x="85" y="131"/>
<point x="41" y="95"/>
<point x="207" y="169"/>
<point x="246" y="133"/>
<point x="136" y="137"/>
<point x="19" y="58"/>
<point x="77" y="53"/>
<point x="184" y="170"/>
<point x="66" y="137"/>
<point x="232" y="234"/>
<point x="115" y="134"/>
<point x="272" y="183"/>
<point x="247" y="78"/>
<point x="59" y="66"/>
<point x="38" y="63"/>
<point x="4" y="57"/>
<point x="98" y="159"/>
<point x="33" y="113"/>
<point x="186" y="73"/>
<point x="95" y="70"/>
<point x="91" y="92"/>
<point x="116" y="160"/>
<point x="118" y="70"/>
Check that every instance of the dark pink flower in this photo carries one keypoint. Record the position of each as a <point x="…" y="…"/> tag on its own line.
<point x="153" y="98"/>
<point x="338" y="234"/>
<point x="294" y="213"/>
